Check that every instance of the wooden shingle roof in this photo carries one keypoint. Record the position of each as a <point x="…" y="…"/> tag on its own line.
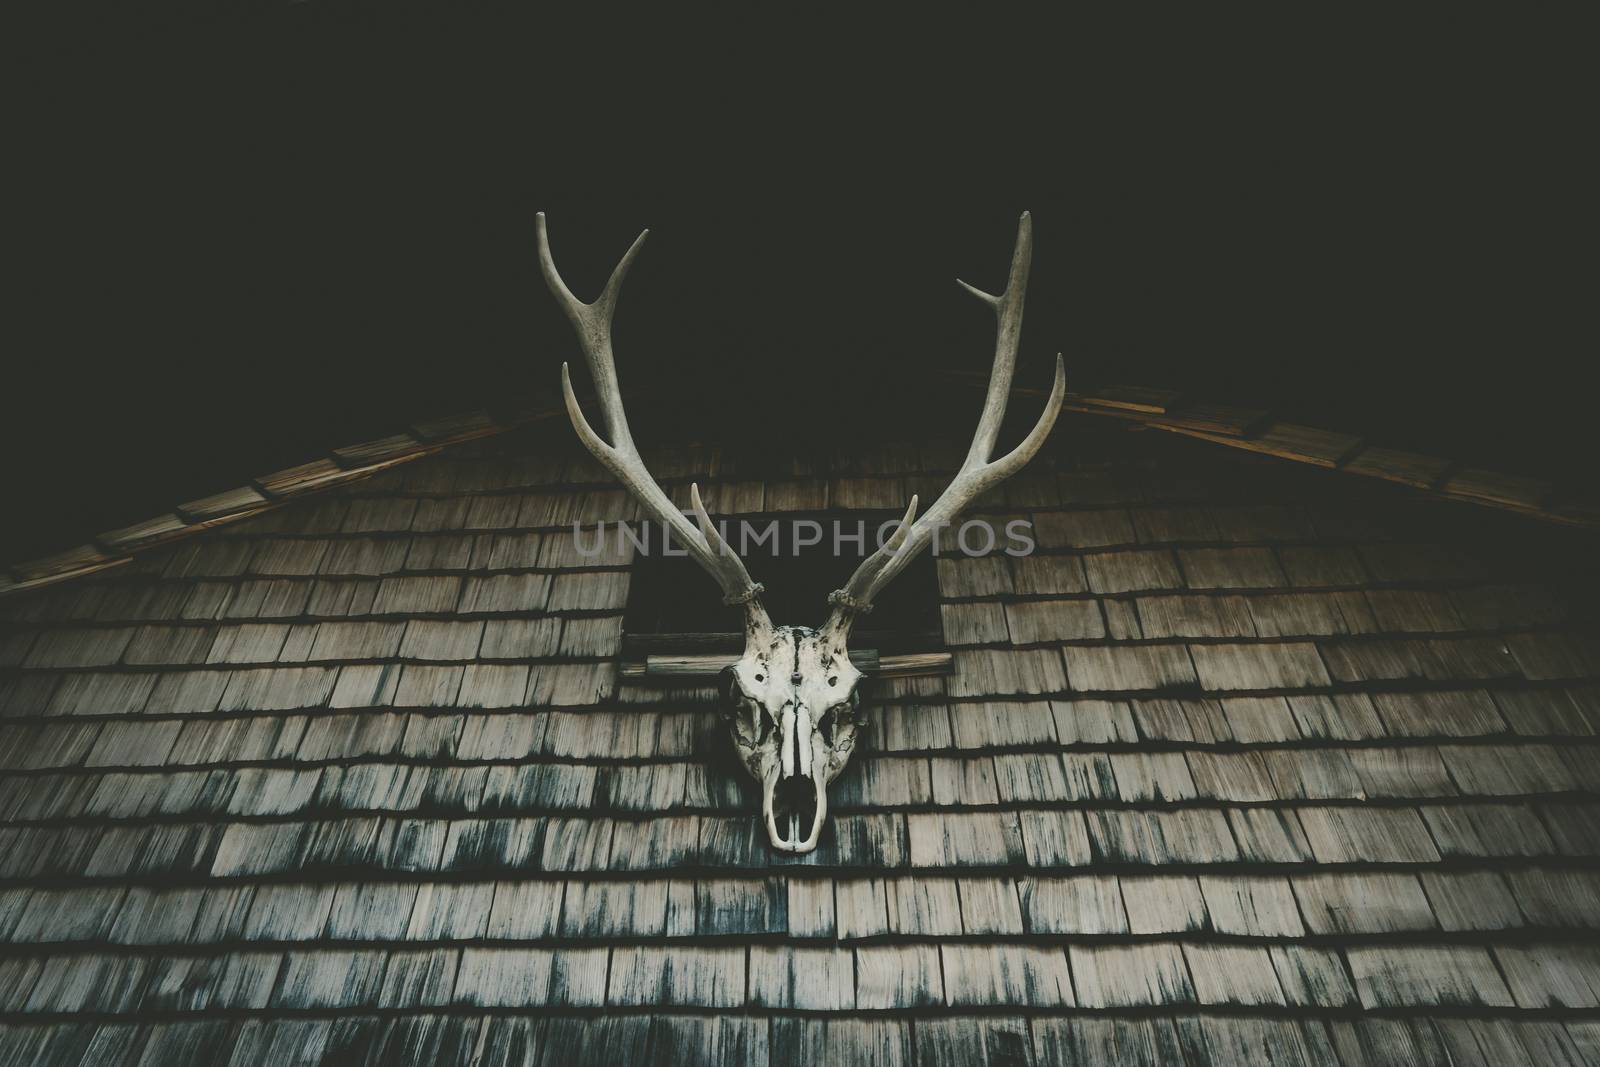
<point x="1226" y="772"/>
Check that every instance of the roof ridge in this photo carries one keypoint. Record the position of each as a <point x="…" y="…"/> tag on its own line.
<point x="333" y="469"/>
<point x="1259" y="430"/>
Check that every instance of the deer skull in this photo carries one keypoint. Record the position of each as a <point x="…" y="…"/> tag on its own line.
<point x="792" y="701"/>
<point x="792" y="706"/>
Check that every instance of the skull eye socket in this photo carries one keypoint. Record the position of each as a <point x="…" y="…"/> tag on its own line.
<point x="740" y="709"/>
<point x="831" y="721"/>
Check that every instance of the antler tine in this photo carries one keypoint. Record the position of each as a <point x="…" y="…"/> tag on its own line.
<point x="1008" y="333"/>
<point x="978" y="473"/>
<point x="592" y="323"/>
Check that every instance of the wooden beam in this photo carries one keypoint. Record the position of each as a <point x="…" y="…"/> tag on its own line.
<point x="678" y="667"/>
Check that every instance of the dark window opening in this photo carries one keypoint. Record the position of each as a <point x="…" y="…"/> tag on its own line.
<point x="670" y="597"/>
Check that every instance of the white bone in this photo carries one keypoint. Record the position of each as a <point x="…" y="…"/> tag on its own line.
<point x="802" y="736"/>
<point x="788" y="742"/>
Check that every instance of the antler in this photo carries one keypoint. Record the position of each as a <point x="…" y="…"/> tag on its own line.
<point x="978" y="473"/>
<point x="592" y="322"/>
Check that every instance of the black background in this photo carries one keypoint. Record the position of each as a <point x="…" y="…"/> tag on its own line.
<point x="243" y="234"/>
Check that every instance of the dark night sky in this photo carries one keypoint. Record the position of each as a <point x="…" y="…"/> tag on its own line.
<point x="247" y="234"/>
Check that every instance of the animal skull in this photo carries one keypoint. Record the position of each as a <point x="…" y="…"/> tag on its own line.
<point x="793" y="708"/>
<point x="792" y="700"/>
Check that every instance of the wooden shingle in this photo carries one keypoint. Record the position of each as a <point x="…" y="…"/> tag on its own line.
<point x="1545" y="712"/>
<point x="1363" y="903"/>
<point x="1031" y="777"/>
<point x="1311" y="614"/>
<point x="968" y="839"/>
<point x="809" y="979"/>
<point x="1124" y="976"/>
<point x="1110" y="668"/>
<point x="697" y="976"/>
<point x="370" y="911"/>
<point x="1163" y="904"/>
<point x="1232" y="974"/>
<point x="1086" y="904"/>
<point x="861" y="906"/>
<point x="993" y="672"/>
<point x="1552" y="975"/>
<point x="1445" y="713"/>
<point x="632" y="909"/>
<point x="424" y="978"/>
<point x="1174" y="525"/>
<point x="450" y="911"/>
<point x="1190" y="721"/>
<point x="100" y="693"/>
<point x="1132" y="571"/>
<point x="999" y="724"/>
<point x="87" y="647"/>
<point x="1150" y="776"/>
<point x="521" y="976"/>
<point x="898" y="976"/>
<point x="974" y="576"/>
<point x="1230" y="568"/>
<point x="1040" y="575"/>
<point x="742" y="906"/>
<point x="524" y="910"/>
<point x="1189" y="615"/>
<point x="1312" y="976"/>
<point x="1556" y="897"/>
<point x="1572" y="827"/>
<point x="1319" y="774"/>
<point x="1055" y="838"/>
<point x="810" y="907"/>
<point x="1083" y="529"/>
<point x="94" y="983"/>
<point x="1238" y="776"/>
<point x="1093" y="721"/>
<point x="851" y="1039"/>
<point x="1336" y="716"/>
<point x="1444" y="975"/>
<point x="1040" y="621"/>
<point x="923" y="906"/>
<point x="1251" y="906"/>
<point x="504" y="593"/>
<point x="1006" y="974"/>
<point x="342" y="979"/>
<point x="1258" y="666"/>
<point x="1509" y="1041"/>
<point x="1471" y="900"/>
<point x="1357" y="835"/>
<point x="978" y="623"/>
<point x="1268" y="835"/>
<point x="1185" y="835"/>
